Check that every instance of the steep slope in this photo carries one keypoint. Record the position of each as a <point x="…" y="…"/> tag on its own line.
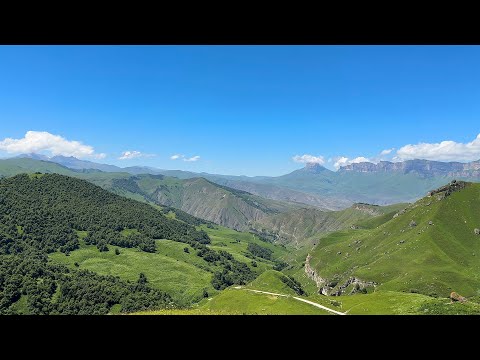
<point x="204" y="199"/>
<point x="295" y="227"/>
<point x="198" y="197"/>
<point x="430" y="247"/>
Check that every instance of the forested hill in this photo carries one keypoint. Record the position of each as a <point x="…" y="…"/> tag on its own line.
<point x="49" y="209"/>
<point x="40" y="214"/>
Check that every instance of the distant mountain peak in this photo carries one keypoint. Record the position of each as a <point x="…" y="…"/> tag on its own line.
<point x="60" y="157"/>
<point x="314" y="167"/>
<point x="33" y="156"/>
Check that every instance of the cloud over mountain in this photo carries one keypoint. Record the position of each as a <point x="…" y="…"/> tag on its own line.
<point x="42" y="141"/>
<point x="343" y="161"/>
<point x="442" y="151"/>
<point x="311" y="159"/>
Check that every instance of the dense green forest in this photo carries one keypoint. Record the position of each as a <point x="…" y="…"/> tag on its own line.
<point x="42" y="214"/>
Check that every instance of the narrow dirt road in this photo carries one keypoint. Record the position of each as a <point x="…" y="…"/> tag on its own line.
<point x="294" y="297"/>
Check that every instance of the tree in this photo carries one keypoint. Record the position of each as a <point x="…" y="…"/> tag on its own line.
<point x="117" y="252"/>
<point x="102" y="246"/>
<point x="142" y="279"/>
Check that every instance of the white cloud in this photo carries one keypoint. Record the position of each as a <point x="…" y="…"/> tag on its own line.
<point x="41" y="141"/>
<point x="309" y="159"/>
<point x="179" y="156"/>
<point x="344" y="161"/>
<point x="192" y="159"/>
<point x="442" y="151"/>
<point x="127" y="155"/>
<point x="386" y="152"/>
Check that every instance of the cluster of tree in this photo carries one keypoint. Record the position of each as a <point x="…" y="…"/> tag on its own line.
<point x="233" y="273"/>
<point x="54" y="289"/>
<point x="50" y="208"/>
<point x="40" y="214"/>
<point x="128" y="184"/>
<point x="107" y="236"/>
<point x="280" y="265"/>
<point x="260" y="251"/>
<point x="293" y="284"/>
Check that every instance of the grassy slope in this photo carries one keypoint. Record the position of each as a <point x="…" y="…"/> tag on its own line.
<point x="170" y="269"/>
<point x="246" y="302"/>
<point x="183" y="275"/>
<point x="226" y="239"/>
<point x="209" y="201"/>
<point x="433" y="259"/>
<point x="296" y="226"/>
<point x="234" y="301"/>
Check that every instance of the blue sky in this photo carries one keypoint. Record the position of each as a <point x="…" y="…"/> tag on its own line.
<point x="241" y="109"/>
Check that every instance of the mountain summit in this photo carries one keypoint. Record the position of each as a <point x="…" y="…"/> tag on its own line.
<point x="314" y="168"/>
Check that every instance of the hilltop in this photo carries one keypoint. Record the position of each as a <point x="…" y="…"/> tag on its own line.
<point x="429" y="247"/>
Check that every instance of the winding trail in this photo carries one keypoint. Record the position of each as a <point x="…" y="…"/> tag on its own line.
<point x="294" y="297"/>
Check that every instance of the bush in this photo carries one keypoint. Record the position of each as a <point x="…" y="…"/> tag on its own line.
<point x="102" y="246"/>
<point x="254" y="263"/>
<point x="280" y="265"/>
<point x="117" y="252"/>
<point x="260" y="251"/>
<point x="186" y="250"/>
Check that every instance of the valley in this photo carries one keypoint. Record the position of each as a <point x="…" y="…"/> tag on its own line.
<point x="247" y="255"/>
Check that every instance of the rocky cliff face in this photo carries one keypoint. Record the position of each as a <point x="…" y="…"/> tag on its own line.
<point x="325" y="287"/>
<point x="425" y="168"/>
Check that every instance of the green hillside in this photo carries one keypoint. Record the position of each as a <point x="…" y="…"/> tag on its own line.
<point x="209" y="201"/>
<point x="430" y="248"/>
<point x="10" y="167"/>
<point x="305" y="226"/>
<point x="70" y="247"/>
<point x="183" y="275"/>
<point x="196" y="196"/>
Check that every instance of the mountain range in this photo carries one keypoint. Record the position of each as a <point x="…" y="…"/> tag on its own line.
<point x="381" y="184"/>
<point x="83" y="250"/>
